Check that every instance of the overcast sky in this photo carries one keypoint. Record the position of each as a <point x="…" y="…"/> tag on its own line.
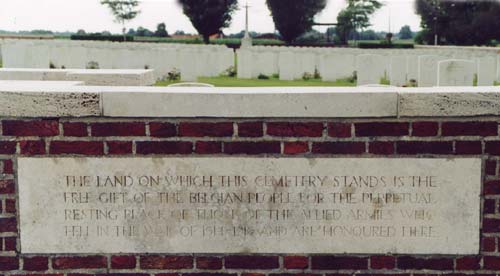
<point x="71" y="15"/>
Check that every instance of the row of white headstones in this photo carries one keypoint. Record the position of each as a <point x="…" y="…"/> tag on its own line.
<point x="424" y="67"/>
<point x="192" y="61"/>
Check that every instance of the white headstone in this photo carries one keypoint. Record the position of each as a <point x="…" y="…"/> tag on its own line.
<point x="287" y="65"/>
<point x="428" y="70"/>
<point x="486" y="71"/>
<point x="370" y="69"/>
<point x="245" y="64"/>
<point x="398" y="71"/>
<point x="335" y="66"/>
<point x="456" y="72"/>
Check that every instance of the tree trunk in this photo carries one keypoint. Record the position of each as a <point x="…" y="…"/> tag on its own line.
<point x="206" y="38"/>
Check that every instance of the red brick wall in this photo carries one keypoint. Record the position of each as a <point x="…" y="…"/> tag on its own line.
<point x="276" y="137"/>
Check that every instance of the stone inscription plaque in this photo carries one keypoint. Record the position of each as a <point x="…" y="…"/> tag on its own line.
<point x="249" y="205"/>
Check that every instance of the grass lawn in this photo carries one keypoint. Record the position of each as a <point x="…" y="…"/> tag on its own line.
<point x="235" y="82"/>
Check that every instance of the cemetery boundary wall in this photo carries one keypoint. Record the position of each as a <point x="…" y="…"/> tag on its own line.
<point x="266" y="122"/>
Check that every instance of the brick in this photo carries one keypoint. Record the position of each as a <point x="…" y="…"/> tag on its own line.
<point x="469" y="129"/>
<point x="408" y="262"/>
<point x="10" y="206"/>
<point x="252" y="262"/>
<point x="39" y="128"/>
<point x="285" y="129"/>
<point x="419" y="147"/>
<point x="339" y="130"/>
<point x="36" y="264"/>
<point x="338" y="262"/>
<point x="164" y="147"/>
<point x="491" y="262"/>
<point x="75" y="129"/>
<point x="294" y="274"/>
<point x="209" y="274"/>
<point x="122" y="274"/>
<point x="118" y="129"/>
<point x="424" y="129"/>
<point x="491" y="225"/>
<point x="251" y="129"/>
<point x="492" y="187"/>
<point x="166" y="262"/>
<point x="7" y="187"/>
<point x="10" y="244"/>
<point x="208" y="147"/>
<point x="77" y="147"/>
<point x="32" y="147"/>
<point x="384" y="148"/>
<point x="381" y="129"/>
<point x="252" y="274"/>
<point x="119" y="147"/>
<point x="296" y="147"/>
<point x="468" y="147"/>
<point x="491" y="167"/>
<point x="252" y="147"/>
<point x="210" y="263"/>
<point x="8" y="225"/>
<point x="492" y="147"/>
<point x="296" y="262"/>
<point x="9" y="263"/>
<point x="382" y="262"/>
<point x="123" y="262"/>
<point x="488" y="244"/>
<point x="8" y="167"/>
<point x="206" y="129"/>
<point x="7" y="147"/>
<point x="88" y="262"/>
<point x="468" y="263"/>
<point x="489" y="206"/>
<point x="338" y="147"/>
<point x="162" y="129"/>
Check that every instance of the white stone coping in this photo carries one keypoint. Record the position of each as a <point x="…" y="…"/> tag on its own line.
<point x="252" y="102"/>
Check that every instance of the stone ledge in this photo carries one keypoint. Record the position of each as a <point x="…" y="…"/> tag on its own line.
<point x="291" y="102"/>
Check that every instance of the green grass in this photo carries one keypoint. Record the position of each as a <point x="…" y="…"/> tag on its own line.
<point x="272" y="82"/>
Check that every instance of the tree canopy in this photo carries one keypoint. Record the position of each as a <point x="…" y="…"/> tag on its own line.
<point x="122" y="10"/>
<point x="293" y="18"/>
<point x="459" y="22"/>
<point x="209" y="17"/>
<point x="405" y="32"/>
<point x="355" y="16"/>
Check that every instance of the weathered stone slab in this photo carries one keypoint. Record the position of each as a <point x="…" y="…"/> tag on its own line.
<point x="249" y="205"/>
<point x="398" y="69"/>
<point x="113" y="77"/>
<point x="486" y="71"/>
<point x="15" y="103"/>
<point x="449" y="101"/>
<point x="250" y="102"/>
<point x="428" y="70"/>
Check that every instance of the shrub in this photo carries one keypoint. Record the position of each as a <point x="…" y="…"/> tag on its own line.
<point x="307" y="76"/>
<point x="317" y="75"/>
<point x="276" y="76"/>
<point x="262" y="77"/>
<point x="92" y="65"/>
<point x="230" y="72"/>
<point x="174" y="75"/>
<point x="102" y="37"/>
<point x="52" y="66"/>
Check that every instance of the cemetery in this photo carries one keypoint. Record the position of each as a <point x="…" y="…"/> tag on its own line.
<point x="126" y="157"/>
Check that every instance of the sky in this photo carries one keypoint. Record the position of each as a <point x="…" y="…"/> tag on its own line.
<point x="90" y="15"/>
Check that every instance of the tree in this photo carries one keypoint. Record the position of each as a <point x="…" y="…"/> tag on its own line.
<point x="209" y="17"/>
<point x="122" y="10"/>
<point x="355" y="16"/>
<point x="81" y="32"/>
<point x="405" y="32"/>
<point x="161" y="30"/>
<point x="459" y="22"/>
<point x="141" y="31"/>
<point x="292" y="18"/>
